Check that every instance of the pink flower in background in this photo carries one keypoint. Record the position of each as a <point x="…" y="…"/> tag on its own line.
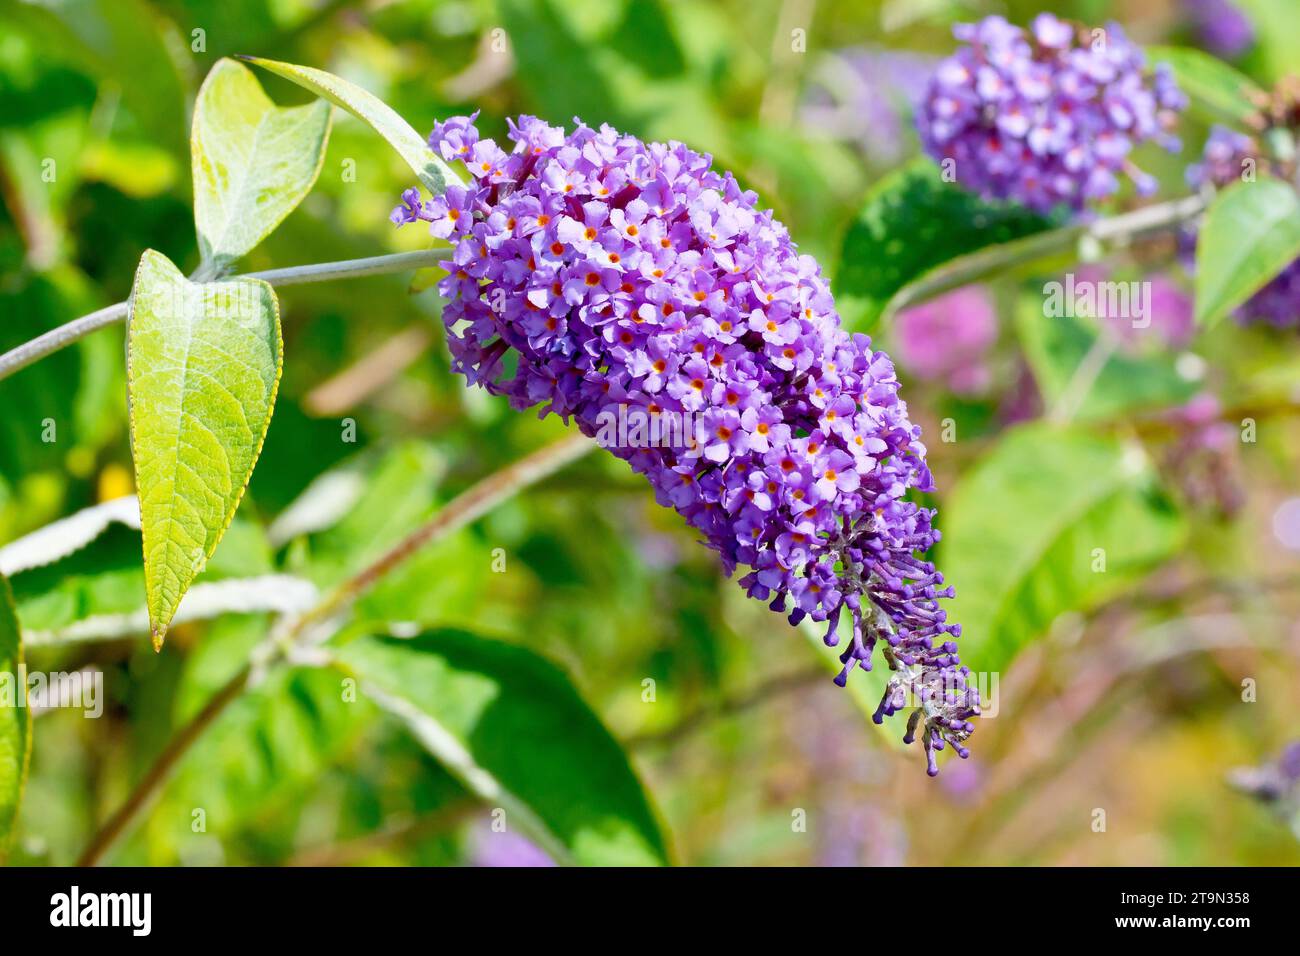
<point x="948" y="339"/>
<point x="504" y="848"/>
<point x="1170" y="322"/>
<point x="1172" y="312"/>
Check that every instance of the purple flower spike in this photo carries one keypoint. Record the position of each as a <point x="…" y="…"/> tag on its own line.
<point x="633" y="289"/>
<point x="1049" y="117"/>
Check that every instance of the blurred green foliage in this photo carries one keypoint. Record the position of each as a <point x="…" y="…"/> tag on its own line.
<point x="1122" y="690"/>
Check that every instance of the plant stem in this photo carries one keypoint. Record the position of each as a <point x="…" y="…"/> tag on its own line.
<point x="1085" y="376"/>
<point x="470" y="505"/>
<point x="55" y="339"/>
<point x="150" y="784"/>
<point x="460" y="511"/>
<point x="765" y="691"/>
<point x="1122" y="229"/>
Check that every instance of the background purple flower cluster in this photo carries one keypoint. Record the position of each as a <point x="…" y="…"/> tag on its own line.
<point x="593" y="271"/>
<point x="1229" y="155"/>
<point x="1047" y="117"/>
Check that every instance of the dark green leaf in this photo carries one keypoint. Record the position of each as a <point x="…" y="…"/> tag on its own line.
<point x="511" y="726"/>
<point x="911" y="223"/>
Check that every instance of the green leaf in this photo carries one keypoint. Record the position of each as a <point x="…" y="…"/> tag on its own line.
<point x="1277" y="36"/>
<point x="203" y="366"/>
<point x="1051" y="521"/>
<point x="253" y="161"/>
<point x="129" y="47"/>
<point x="511" y="726"/>
<point x="15" y="722"/>
<point x="80" y="578"/>
<point x="1217" y="91"/>
<point x="1250" y="234"/>
<point x="911" y="223"/>
<point x="378" y="115"/>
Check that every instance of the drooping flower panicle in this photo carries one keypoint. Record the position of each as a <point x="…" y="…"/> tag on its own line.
<point x="1046" y="117"/>
<point x="595" y="275"/>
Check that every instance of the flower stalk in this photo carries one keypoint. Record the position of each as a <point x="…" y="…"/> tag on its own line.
<point x="317" y="625"/>
<point x="52" y="341"/>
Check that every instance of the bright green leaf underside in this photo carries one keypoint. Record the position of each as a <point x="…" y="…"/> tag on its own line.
<point x="433" y="173"/>
<point x="1025" y="533"/>
<point x="203" y="365"/>
<point x="1216" y="90"/>
<point x="513" y="729"/>
<point x="253" y="161"/>
<point x="1251" y="233"/>
<point x="15" y="723"/>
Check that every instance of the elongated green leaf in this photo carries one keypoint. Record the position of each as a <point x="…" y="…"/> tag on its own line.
<point x="203" y="366"/>
<point x="378" y="115"/>
<point x="253" y="161"/>
<point x="512" y="728"/>
<point x="1250" y="234"/>
<point x="1051" y="521"/>
<point x="15" y="723"/>
<point x="1217" y="91"/>
<point x="911" y="223"/>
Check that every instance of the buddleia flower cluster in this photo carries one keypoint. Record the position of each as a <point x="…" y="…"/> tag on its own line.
<point x="1228" y="156"/>
<point x="600" y="278"/>
<point x="1047" y="117"/>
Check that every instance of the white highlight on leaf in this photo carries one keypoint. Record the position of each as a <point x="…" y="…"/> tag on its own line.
<point x="321" y="505"/>
<point x="67" y="535"/>
<point x="275" y="593"/>
<point x="449" y="751"/>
